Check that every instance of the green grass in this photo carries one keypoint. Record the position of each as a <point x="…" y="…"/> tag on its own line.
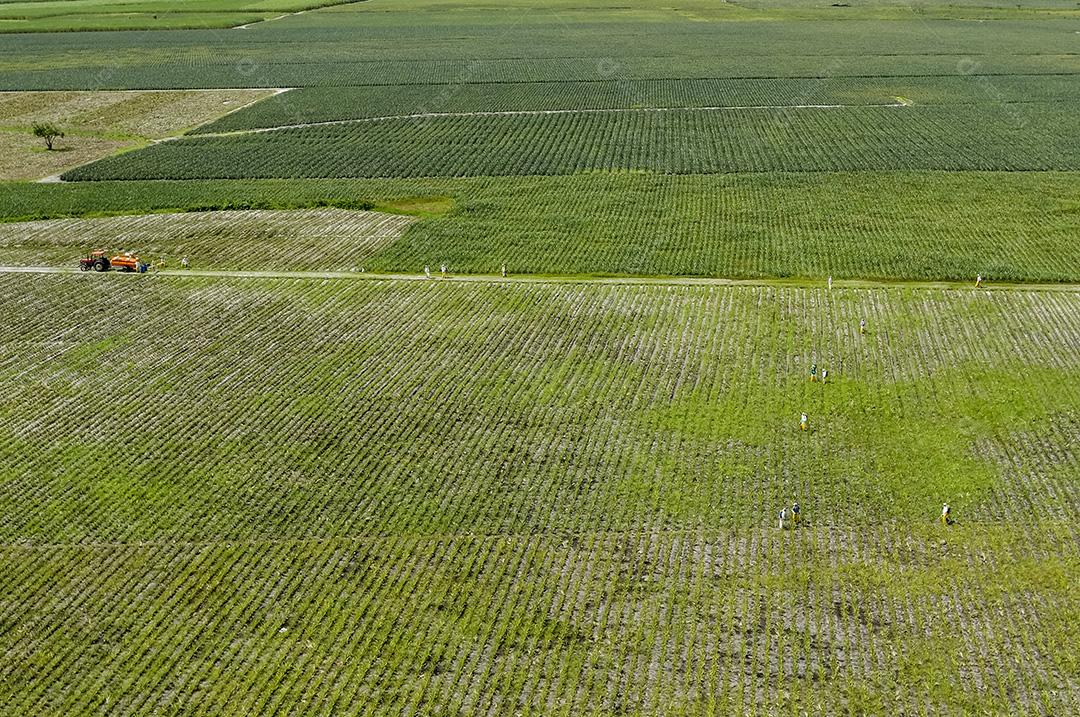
<point x="454" y="497"/>
<point x="1006" y="226"/>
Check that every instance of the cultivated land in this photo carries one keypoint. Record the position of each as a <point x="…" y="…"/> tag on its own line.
<point x="440" y="497"/>
<point x="896" y="225"/>
<point x="298" y="240"/>
<point x="97" y="124"/>
<point x="272" y="483"/>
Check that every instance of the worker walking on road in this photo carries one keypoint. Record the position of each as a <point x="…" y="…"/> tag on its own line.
<point x="804" y="422"/>
<point x="427" y="272"/>
<point x="945" y="514"/>
<point x="978" y="281"/>
<point x="184" y="263"/>
<point x="504" y="271"/>
<point x="830" y="282"/>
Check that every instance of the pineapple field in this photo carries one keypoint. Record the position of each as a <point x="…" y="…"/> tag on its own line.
<point x="368" y="496"/>
<point x="539" y="358"/>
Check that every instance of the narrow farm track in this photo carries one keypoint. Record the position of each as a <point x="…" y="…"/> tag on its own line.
<point x="808" y="283"/>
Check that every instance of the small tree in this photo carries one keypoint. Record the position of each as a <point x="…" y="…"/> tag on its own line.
<point x="48" y="132"/>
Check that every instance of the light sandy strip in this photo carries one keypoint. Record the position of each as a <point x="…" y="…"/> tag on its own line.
<point x="275" y="90"/>
<point x="575" y="279"/>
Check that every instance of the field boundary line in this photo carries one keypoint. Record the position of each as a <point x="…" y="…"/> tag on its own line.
<point x="794" y="283"/>
<point x="514" y="113"/>
<point x="263" y="21"/>
<point x="274" y="92"/>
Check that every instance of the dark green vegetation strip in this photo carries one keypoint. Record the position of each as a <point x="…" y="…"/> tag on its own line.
<point x="322" y="104"/>
<point x="533" y="493"/>
<point x="1008" y="226"/>
<point x="392" y="44"/>
<point x="1014" y="137"/>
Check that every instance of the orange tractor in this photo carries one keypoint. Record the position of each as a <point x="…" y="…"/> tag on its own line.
<point x="121" y="262"/>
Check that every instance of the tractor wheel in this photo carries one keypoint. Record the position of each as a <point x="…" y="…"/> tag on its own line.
<point x="99" y="265"/>
<point x="84" y="267"/>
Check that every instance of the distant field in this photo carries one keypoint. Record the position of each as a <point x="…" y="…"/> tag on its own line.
<point x="915" y="225"/>
<point x="447" y="498"/>
<point x="402" y="43"/>
<point x="74" y="15"/>
<point x="97" y="124"/>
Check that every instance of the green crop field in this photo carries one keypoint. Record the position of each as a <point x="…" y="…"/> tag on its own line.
<point x="469" y="374"/>
<point x="336" y="104"/>
<point x="666" y="142"/>
<point x="377" y="497"/>
<point x="1012" y="226"/>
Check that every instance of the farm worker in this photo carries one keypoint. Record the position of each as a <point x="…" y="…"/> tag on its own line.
<point x="862" y="326"/>
<point x="978" y="281"/>
<point x="783" y="518"/>
<point x="443" y="269"/>
<point x="427" y="272"/>
<point x="804" y="422"/>
<point x="813" y="372"/>
<point x="184" y="263"/>
<point x="830" y="282"/>
<point x="945" y="514"/>
<point x="504" y="270"/>
<point x="795" y="515"/>
<point x="824" y="375"/>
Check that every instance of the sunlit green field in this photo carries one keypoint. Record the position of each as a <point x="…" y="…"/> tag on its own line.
<point x="454" y="496"/>
<point x="326" y="458"/>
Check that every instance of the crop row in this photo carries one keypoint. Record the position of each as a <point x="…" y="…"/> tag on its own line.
<point x="1007" y="226"/>
<point x="208" y="70"/>
<point x="322" y="104"/>
<point x="253" y="239"/>
<point x="1014" y="137"/>
<point x="253" y="409"/>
